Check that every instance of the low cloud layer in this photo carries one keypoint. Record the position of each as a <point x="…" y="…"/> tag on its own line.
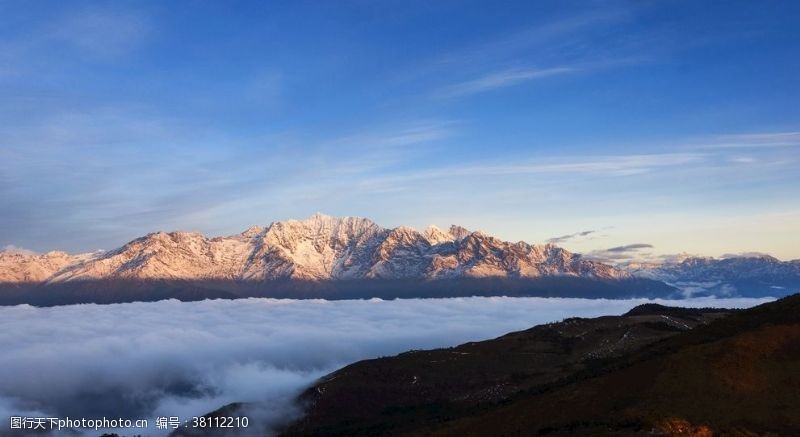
<point x="143" y="360"/>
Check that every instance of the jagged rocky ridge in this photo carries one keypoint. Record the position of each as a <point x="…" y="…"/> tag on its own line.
<point x="320" y="248"/>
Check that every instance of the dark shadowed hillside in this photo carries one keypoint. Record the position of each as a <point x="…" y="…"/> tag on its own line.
<point x="653" y="371"/>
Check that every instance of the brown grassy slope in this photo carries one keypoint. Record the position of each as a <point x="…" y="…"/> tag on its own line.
<point x="424" y="390"/>
<point x="737" y="376"/>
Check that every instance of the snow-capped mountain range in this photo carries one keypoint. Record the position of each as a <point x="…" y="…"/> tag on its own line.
<point x="319" y="248"/>
<point x="347" y="255"/>
<point x="741" y="275"/>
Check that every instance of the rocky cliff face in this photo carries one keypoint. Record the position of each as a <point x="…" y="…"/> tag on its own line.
<point x="318" y="248"/>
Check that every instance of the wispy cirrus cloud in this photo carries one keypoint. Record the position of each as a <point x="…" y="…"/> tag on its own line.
<point x="630" y="247"/>
<point x="614" y="165"/>
<point x="399" y="135"/>
<point x="102" y="32"/>
<point x="74" y="35"/>
<point x="568" y="237"/>
<point x="755" y="140"/>
<point x="550" y="34"/>
<point x="558" y="45"/>
<point x="619" y="254"/>
<point x="500" y="79"/>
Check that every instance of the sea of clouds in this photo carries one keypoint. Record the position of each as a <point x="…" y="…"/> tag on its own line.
<point x="170" y="358"/>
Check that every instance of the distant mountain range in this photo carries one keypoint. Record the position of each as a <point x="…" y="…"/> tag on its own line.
<point x="326" y="256"/>
<point x="319" y="248"/>
<point x="735" y="276"/>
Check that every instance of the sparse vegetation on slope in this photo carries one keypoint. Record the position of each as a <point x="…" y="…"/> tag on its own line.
<point x="655" y="370"/>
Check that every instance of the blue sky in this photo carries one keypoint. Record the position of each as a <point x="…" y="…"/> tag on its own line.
<point x="673" y="124"/>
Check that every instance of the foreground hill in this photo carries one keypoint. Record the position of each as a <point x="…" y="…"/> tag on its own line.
<point x="319" y="257"/>
<point x="653" y="371"/>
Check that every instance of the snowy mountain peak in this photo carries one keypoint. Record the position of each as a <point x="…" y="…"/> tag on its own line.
<point x="458" y="232"/>
<point x="253" y="231"/>
<point x="434" y="235"/>
<point x="320" y="247"/>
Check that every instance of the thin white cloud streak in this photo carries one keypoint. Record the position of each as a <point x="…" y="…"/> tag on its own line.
<point x="377" y="149"/>
<point x="101" y="32"/>
<point x="95" y="32"/>
<point x="143" y="360"/>
<point x="620" y="165"/>
<point x="408" y="134"/>
<point x="755" y="141"/>
<point x="568" y="237"/>
<point x="559" y="41"/>
<point x="551" y="34"/>
<point x="501" y="79"/>
<point x="619" y="254"/>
